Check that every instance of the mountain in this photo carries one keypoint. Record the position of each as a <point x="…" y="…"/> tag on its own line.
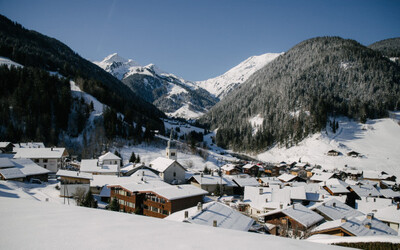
<point x="294" y="95"/>
<point x="34" y="89"/>
<point x="222" y="85"/>
<point x="388" y="47"/>
<point x="171" y="94"/>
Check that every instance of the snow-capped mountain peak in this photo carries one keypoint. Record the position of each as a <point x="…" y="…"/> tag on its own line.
<point x="117" y="65"/>
<point x="221" y="85"/>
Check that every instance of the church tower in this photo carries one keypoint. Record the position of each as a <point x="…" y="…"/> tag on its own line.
<point x="171" y="149"/>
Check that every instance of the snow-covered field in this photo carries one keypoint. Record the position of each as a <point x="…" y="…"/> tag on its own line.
<point x="8" y="62"/>
<point x="377" y="140"/>
<point x="28" y="224"/>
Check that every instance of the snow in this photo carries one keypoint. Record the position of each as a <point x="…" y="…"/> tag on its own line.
<point x="109" y="156"/>
<point x="74" y="174"/>
<point x="36" y="153"/>
<point x="98" y="106"/>
<point x="178" y="192"/>
<point x="338" y="211"/>
<point x="53" y="226"/>
<point x="161" y="164"/>
<point x="221" y="85"/>
<point x="377" y="141"/>
<point x="11" y="173"/>
<point x="8" y="62"/>
<point x="185" y="112"/>
<point x="331" y="239"/>
<point x="256" y="122"/>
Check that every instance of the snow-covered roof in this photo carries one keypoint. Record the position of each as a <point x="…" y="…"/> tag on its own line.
<point x="179" y="191"/>
<point x="11" y="173"/>
<point x="356" y="226"/>
<point x="28" y="145"/>
<point x="296" y="193"/>
<point x="321" y="176"/>
<point x="372" y="204"/>
<point x="141" y="186"/>
<point x="388" y="214"/>
<point x="39" y="153"/>
<point x="105" y="192"/>
<point x="74" y="174"/>
<point x="225" y="216"/>
<point x="334" y="210"/>
<point x="92" y="166"/>
<point x="109" y="156"/>
<point x="6" y="163"/>
<point x="249" y="165"/>
<point x="247" y="181"/>
<point x="139" y="231"/>
<point x="299" y="213"/>
<point x="371" y="174"/>
<point x="271" y="181"/>
<point x="228" y="167"/>
<point x="336" y="186"/>
<point x="286" y="177"/>
<point x="102" y="180"/>
<point x="365" y="190"/>
<point x="4" y="144"/>
<point x="28" y="167"/>
<point x="389" y="193"/>
<point x="213" y="180"/>
<point x="161" y="164"/>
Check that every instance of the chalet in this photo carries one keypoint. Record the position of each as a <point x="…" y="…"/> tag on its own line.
<point x="267" y="181"/>
<point x="335" y="187"/>
<point x="213" y="214"/>
<point x="294" y="221"/>
<point x="211" y="183"/>
<point x="156" y="199"/>
<point x="333" y="153"/>
<point x="372" y="204"/>
<point x="71" y="181"/>
<point x="251" y="169"/>
<point x="334" y="210"/>
<point x="27" y="145"/>
<point x="6" y="147"/>
<point x="169" y="170"/>
<point x="353" y="154"/>
<point x="21" y="170"/>
<point x="273" y="170"/>
<point x="285" y="178"/>
<point x="52" y="159"/>
<point x="243" y="181"/>
<point x="390" y="216"/>
<point x="364" y="191"/>
<point x="321" y="177"/>
<point x="109" y="159"/>
<point x="230" y="169"/>
<point x="355" y="226"/>
<point x="377" y="176"/>
<point x="390" y="194"/>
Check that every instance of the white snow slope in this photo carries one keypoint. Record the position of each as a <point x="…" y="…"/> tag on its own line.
<point x="30" y="224"/>
<point x="221" y="85"/>
<point x="8" y="62"/>
<point x="377" y="140"/>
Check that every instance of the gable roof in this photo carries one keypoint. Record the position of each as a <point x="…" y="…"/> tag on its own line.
<point x="321" y="176"/>
<point x="109" y="156"/>
<point x="92" y="166"/>
<point x="225" y="216"/>
<point x="213" y="180"/>
<point x="74" y="174"/>
<point x="4" y="144"/>
<point x="389" y="214"/>
<point x="247" y="181"/>
<point x="228" y="167"/>
<point x="365" y="190"/>
<point x="175" y="192"/>
<point x="38" y="153"/>
<point x="28" y="167"/>
<point x="334" y="210"/>
<point x="249" y="165"/>
<point x="161" y="164"/>
<point x="11" y="173"/>
<point x="6" y="163"/>
<point x="356" y="226"/>
<point x="389" y="193"/>
<point x="286" y="177"/>
<point x="299" y="213"/>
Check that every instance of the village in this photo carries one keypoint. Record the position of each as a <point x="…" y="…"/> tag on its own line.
<point x="288" y="199"/>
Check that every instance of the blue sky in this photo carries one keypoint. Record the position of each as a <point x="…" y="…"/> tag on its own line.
<point x="201" y="39"/>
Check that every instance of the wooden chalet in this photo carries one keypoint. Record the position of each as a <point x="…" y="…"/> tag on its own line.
<point x="333" y="153"/>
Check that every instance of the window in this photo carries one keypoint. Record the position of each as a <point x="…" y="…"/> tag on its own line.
<point x="45" y="160"/>
<point x="45" y="166"/>
<point x="174" y="174"/>
<point x="115" y="162"/>
<point x="154" y="209"/>
<point x="36" y="160"/>
<point x="172" y="153"/>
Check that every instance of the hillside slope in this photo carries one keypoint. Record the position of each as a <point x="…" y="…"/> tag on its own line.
<point x="171" y="94"/>
<point x="222" y="85"/>
<point x="293" y="95"/>
<point x="388" y="47"/>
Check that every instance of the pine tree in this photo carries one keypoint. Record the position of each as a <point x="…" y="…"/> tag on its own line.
<point x="133" y="158"/>
<point x="89" y="200"/>
<point x="138" y="159"/>
<point x="114" y="206"/>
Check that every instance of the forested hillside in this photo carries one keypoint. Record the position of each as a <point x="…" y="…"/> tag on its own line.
<point x="40" y="54"/>
<point x="388" y="47"/>
<point x="293" y="96"/>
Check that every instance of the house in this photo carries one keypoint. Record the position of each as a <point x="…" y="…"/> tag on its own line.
<point x="214" y="214"/>
<point x="251" y="169"/>
<point x="71" y="181"/>
<point x="364" y="191"/>
<point x="156" y="199"/>
<point x="109" y="159"/>
<point x="211" y="183"/>
<point x="169" y="170"/>
<point x="94" y="167"/>
<point x="372" y="204"/>
<point x="333" y="153"/>
<point x="390" y="216"/>
<point x="273" y="170"/>
<point x="353" y="154"/>
<point x="355" y="226"/>
<point x="335" y="187"/>
<point x="334" y="209"/>
<point x="21" y="170"/>
<point x="52" y="159"/>
<point x="377" y="176"/>
<point x="285" y="178"/>
<point x="6" y="147"/>
<point x="267" y="181"/>
<point x="321" y="177"/>
<point x="27" y="145"/>
<point x="243" y="181"/>
<point x="294" y="221"/>
<point x="230" y="169"/>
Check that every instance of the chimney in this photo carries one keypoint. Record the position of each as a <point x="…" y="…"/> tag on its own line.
<point x="334" y="204"/>
<point x="214" y="223"/>
<point x="368" y="225"/>
<point x="142" y="173"/>
<point x="370" y="216"/>
<point x="261" y="191"/>
<point x="51" y="148"/>
<point x="398" y="205"/>
<point x="186" y="215"/>
<point x="281" y="206"/>
<point x="343" y="220"/>
<point x="199" y="206"/>
<point x="201" y="175"/>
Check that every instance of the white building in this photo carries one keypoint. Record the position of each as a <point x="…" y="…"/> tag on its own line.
<point x="169" y="170"/>
<point x="52" y="159"/>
